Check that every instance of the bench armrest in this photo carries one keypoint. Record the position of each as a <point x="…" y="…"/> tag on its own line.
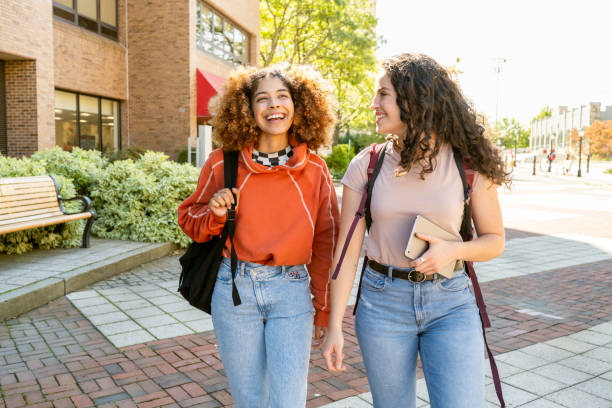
<point x="86" y="201"/>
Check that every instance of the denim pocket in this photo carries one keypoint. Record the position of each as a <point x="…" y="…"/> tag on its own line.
<point x="373" y="280"/>
<point x="225" y="274"/>
<point x="457" y="283"/>
<point x="296" y="273"/>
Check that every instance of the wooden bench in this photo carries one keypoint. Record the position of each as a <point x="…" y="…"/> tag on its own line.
<point x="32" y="202"/>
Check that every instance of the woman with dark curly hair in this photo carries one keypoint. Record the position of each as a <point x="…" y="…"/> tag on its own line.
<point x="286" y="229"/>
<point x="406" y="307"/>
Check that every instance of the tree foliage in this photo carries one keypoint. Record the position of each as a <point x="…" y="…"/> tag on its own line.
<point x="597" y="139"/>
<point x="337" y="37"/>
<point x="510" y="131"/>
<point x="544" y="113"/>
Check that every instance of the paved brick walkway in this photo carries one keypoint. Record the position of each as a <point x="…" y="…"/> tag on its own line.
<point x="549" y="298"/>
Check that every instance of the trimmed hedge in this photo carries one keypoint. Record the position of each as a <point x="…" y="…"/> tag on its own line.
<point x="134" y="199"/>
<point x="137" y="200"/>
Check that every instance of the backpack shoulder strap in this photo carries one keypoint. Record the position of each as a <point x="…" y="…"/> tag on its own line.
<point x="230" y="175"/>
<point x="373" y="169"/>
<point x="377" y="156"/>
<point x="466" y="180"/>
<point x="467" y="234"/>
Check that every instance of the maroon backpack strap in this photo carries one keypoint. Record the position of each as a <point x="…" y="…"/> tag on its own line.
<point x="374" y="154"/>
<point x="467" y="234"/>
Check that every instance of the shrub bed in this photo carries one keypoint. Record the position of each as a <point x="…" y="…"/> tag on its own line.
<point x="134" y="199"/>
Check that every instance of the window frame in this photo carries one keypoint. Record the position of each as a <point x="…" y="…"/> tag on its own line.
<point x="215" y="47"/>
<point x="78" y="116"/>
<point x="102" y="28"/>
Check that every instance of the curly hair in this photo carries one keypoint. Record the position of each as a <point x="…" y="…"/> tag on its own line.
<point x="431" y="103"/>
<point x="314" y="116"/>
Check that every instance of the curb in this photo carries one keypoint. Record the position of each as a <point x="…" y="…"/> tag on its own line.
<point x="26" y="298"/>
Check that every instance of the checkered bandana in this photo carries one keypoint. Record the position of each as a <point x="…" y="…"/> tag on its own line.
<point x="273" y="159"/>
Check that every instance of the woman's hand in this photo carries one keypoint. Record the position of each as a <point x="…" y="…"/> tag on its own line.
<point x="222" y="200"/>
<point x="319" y="336"/>
<point x="439" y="254"/>
<point x="332" y="351"/>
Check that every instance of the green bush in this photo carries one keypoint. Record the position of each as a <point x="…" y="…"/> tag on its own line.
<point x="137" y="200"/>
<point x="182" y="156"/>
<point x="62" y="235"/>
<point x="609" y="171"/>
<point x="83" y="167"/>
<point x="134" y="153"/>
<point x="338" y="160"/>
<point x="134" y="199"/>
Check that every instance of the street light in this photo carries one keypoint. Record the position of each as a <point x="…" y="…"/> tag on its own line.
<point x="497" y="68"/>
<point x="515" y="145"/>
<point x="581" y="134"/>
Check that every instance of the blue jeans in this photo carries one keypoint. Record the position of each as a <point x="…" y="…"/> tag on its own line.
<point x="265" y="342"/>
<point x="396" y="319"/>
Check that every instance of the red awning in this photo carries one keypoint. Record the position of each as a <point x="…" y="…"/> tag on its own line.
<point x="208" y="86"/>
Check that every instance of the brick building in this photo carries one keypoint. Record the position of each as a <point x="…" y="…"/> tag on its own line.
<point x="109" y="74"/>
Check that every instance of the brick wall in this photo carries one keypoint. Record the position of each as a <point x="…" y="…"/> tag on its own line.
<point x="21" y="107"/>
<point x="159" y="70"/>
<point x="87" y="62"/>
<point x="3" y="144"/>
<point x="26" y="31"/>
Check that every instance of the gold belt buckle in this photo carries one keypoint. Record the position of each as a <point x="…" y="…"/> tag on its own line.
<point x="415" y="276"/>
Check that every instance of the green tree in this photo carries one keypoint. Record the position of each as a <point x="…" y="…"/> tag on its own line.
<point x="338" y="37"/>
<point x="511" y="130"/>
<point x="544" y="113"/>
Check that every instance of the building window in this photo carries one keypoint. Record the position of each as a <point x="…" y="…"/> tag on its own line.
<point x="217" y="35"/>
<point x="99" y="16"/>
<point x="86" y="121"/>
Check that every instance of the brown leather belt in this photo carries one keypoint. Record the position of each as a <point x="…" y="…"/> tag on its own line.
<point x="410" y="274"/>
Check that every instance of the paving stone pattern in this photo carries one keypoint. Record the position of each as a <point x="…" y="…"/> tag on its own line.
<point x="34" y="266"/>
<point x="549" y="298"/>
<point x="55" y="355"/>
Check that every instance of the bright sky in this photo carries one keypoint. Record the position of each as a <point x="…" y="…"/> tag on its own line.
<point x="558" y="52"/>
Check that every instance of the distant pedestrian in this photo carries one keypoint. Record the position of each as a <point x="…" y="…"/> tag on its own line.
<point x="286" y="229"/>
<point x="406" y="308"/>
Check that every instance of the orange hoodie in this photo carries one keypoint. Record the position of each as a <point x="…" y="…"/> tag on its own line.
<point x="287" y="215"/>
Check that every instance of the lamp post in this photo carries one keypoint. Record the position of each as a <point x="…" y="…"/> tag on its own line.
<point x="497" y="68"/>
<point x="515" y="146"/>
<point x="581" y="134"/>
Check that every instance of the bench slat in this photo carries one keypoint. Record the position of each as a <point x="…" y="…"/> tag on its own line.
<point x="20" y="180"/>
<point x="4" y="217"/>
<point x="5" y="229"/>
<point x="17" y="210"/>
<point x="6" y="191"/>
<point x="28" y="219"/>
<point x="27" y="186"/>
<point x="15" y="201"/>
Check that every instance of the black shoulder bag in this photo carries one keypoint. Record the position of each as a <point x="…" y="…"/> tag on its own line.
<point x="201" y="261"/>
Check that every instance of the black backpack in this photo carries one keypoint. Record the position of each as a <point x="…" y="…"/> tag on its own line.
<point x="201" y="261"/>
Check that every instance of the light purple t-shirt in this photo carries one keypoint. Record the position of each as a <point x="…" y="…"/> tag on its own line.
<point x="397" y="200"/>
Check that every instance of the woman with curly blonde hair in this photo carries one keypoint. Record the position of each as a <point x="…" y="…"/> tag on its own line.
<point x="286" y="228"/>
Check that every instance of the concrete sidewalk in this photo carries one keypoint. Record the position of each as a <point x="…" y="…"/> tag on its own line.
<point x="131" y="341"/>
<point x="32" y="279"/>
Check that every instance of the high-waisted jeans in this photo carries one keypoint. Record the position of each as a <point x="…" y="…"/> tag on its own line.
<point x="439" y="320"/>
<point x="265" y="342"/>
